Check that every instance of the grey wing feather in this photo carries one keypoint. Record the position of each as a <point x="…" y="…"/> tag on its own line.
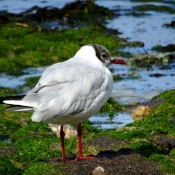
<point x="63" y="91"/>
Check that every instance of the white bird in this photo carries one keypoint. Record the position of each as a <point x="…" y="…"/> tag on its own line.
<point x="70" y="92"/>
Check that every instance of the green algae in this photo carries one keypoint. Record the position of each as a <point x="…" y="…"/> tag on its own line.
<point x="7" y="91"/>
<point x="161" y="1"/>
<point x="149" y="7"/>
<point x="35" y="148"/>
<point x="167" y="165"/>
<point x="23" y="47"/>
<point x="78" y="12"/>
<point x="112" y="106"/>
<point x="169" y="96"/>
<point x="167" y="48"/>
<point x="145" y="148"/>
<point x="126" y="135"/>
<point x="117" y="78"/>
<point x="8" y="168"/>
<point x="153" y="125"/>
<point x="10" y="122"/>
<point x="172" y="153"/>
<point x="166" y="109"/>
<point x="30" y="83"/>
<point x="41" y="168"/>
<point x="73" y="14"/>
<point x="34" y="142"/>
<point x="33" y="127"/>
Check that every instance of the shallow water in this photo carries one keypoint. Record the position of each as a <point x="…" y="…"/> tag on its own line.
<point x="146" y="86"/>
<point x="103" y="121"/>
<point x="147" y="29"/>
<point x="19" y="6"/>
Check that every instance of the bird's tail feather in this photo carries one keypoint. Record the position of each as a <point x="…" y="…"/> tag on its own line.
<point x="19" y="97"/>
<point x="15" y="103"/>
<point x="19" y="108"/>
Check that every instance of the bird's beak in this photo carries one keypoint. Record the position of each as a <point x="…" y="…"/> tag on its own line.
<point x="118" y="61"/>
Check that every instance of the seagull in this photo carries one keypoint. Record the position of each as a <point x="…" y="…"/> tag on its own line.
<point x="70" y="92"/>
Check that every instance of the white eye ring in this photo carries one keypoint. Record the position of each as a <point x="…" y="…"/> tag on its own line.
<point x="103" y="55"/>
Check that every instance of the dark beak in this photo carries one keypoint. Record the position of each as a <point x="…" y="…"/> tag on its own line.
<point x="118" y="61"/>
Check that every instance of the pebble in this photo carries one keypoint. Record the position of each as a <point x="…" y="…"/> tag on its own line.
<point x="68" y="130"/>
<point x="98" y="171"/>
<point x="140" y="112"/>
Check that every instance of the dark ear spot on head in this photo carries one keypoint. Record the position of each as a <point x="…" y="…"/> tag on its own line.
<point x="101" y="53"/>
<point x="98" y="54"/>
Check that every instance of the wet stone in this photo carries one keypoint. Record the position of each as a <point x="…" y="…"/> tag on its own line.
<point x="73" y="14"/>
<point x="3" y="19"/>
<point x="98" y="171"/>
<point x="146" y="61"/>
<point x="167" y="48"/>
<point x="164" y="143"/>
<point x="150" y="104"/>
<point x="6" y="152"/>
<point x="172" y="24"/>
<point x="103" y="143"/>
<point x="157" y="75"/>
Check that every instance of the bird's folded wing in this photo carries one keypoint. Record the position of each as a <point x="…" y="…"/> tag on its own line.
<point x="65" y="91"/>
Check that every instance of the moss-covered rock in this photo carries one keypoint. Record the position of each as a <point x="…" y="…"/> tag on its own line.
<point x="8" y="168"/>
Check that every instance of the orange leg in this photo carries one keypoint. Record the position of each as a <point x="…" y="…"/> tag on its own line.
<point x="62" y="135"/>
<point x="80" y="152"/>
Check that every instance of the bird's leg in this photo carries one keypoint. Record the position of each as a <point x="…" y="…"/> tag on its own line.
<point x="79" y="132"/>
<point x="80" y="153"/>
<point x="62" y="135"/>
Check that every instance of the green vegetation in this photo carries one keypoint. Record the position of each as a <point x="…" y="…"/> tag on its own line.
<point x="23" y="47"/>
<point x="30" y="82"/>
<point x="149" y="7"/>
<point x="112" y="106"/>
<point x="7" y="91"/>
<point x="163" y="1"/>
<point x="168" y="48"/>
<point x="7" y="167"/>
<point x="40" y="168"/>
<point x="145" y="148"/>
<point x="166" y="163"/>
<point x="34" y="143"/>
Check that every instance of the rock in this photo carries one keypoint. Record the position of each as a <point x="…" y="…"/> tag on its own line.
<point x="164" y="143"/>
<point x="102" y="143"/>
<point x="140" y="112"/>
<point x="68" y="130"/>
<point x="98" y="171"/>
<point x="126" y="128"/>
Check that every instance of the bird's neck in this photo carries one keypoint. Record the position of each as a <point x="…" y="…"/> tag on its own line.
<point x="88" y="54"/>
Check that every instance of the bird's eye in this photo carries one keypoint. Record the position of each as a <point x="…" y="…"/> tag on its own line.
<point x="103" y="55"/>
